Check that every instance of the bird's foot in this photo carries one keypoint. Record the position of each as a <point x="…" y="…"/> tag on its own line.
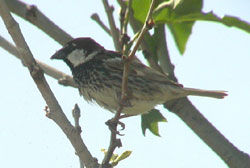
<point x="113" y="123"/>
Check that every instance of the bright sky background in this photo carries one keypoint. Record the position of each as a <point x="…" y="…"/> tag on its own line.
<point x="217" y="57"/>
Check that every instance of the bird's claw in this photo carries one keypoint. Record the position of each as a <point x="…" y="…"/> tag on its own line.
<point x="113" y="125"/>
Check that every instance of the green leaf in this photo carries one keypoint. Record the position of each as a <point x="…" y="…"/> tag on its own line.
<point x="227" y="20"/>
<point x="115" y="159"/>
<point x="123" y="156"/>
<point x="140" y="9"/>
<point x="181" y="31"/>
<point x="150" y="121"/>
<point x="187" y="6"/>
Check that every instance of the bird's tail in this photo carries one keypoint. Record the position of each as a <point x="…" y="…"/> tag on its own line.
<point x="206" y="93"/>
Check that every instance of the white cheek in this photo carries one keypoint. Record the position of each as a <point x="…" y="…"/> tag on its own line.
<point x="77" y="57"/>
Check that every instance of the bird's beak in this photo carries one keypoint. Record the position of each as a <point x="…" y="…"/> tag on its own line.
<point x="58" y="55"/>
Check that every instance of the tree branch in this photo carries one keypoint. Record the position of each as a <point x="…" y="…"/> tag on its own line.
<point x="36" y="73"/>
<point x="62" y="78"/>
<point x="33" y="15"/>
<point x="232" y="156"/>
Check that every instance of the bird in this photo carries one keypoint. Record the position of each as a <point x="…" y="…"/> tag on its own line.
<point x="98" y="73"/>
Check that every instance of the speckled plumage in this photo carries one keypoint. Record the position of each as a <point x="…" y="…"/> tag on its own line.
<point x="98" y="72"/>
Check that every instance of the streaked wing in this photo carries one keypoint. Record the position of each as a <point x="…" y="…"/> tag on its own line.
<point x="137" y="69"/>
<point x="144" y="82"/>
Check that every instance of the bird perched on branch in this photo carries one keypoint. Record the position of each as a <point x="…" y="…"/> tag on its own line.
<point x="98" y="73"/>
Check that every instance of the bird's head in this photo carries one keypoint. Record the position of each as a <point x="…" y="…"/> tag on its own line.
<point x="78" y="51"/>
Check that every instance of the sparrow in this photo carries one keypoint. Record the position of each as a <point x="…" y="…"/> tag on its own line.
<point x="98" y="73"/>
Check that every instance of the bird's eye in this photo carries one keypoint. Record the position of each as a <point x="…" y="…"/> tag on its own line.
<point x="85" y="52"/>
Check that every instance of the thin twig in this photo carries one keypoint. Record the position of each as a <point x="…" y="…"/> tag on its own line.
<point x="76" y="113"/>
<point x="136" y="26"/>
<point x="114" y="142"/>
<point x="125" y="57"/>
<point x="97" y="19"/>
<point x="122" y="4"/>
<point x="124" y="27"/>
<point x="147" y="25"/>
<point x="125" y="18"/>
<point x="131" y="56"/>
<point x="114" y="31"/>
<point x="56" y="112"/>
